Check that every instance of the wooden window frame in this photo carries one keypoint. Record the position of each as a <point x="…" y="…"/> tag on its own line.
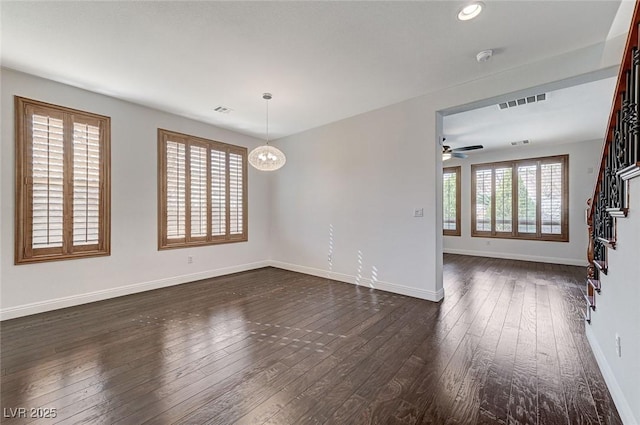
<point x="163" y="241"/>
<point x="515" y="234"/>
<point x="24" y="251"/>
<point x="457" y="170"/>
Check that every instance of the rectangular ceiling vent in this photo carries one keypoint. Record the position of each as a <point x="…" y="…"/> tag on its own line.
<point x="523" y="101"/>
<point x="223" y="109"/>
<point x="520" y="142"/>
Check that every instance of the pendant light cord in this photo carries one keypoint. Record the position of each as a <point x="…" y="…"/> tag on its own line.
<point x="267" y="100"/>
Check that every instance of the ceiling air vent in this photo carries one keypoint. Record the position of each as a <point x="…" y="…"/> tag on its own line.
<point x="520" y="142"/>
<point x="223" y="109"/>
<point x="523" y="101"/>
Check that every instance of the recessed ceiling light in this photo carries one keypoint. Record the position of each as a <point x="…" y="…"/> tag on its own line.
<point x="470" y="11"/>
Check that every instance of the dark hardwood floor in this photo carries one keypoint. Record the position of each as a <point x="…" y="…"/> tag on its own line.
<point x="269" y="346"/>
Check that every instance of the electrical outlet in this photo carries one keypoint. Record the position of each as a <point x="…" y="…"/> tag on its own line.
<point x="618" y="346"/>
<point x="418" y="212"/>
<point x="189" y="259"/>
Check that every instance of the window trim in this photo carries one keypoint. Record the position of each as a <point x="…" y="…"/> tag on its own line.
<point x="514" y="234"/>
<point x="457" y="170"/>
<point x="186" y="242"/>
<point x="24" y="253"/>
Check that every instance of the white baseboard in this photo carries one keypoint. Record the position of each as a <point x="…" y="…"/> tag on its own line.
<point x="511" y="256"/>
<point x="624" y="409"/>
<point x="369" y="283"/>
<point x="63" y="302"/>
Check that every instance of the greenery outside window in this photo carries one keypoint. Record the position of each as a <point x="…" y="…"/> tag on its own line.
<point x="451" y="201"/>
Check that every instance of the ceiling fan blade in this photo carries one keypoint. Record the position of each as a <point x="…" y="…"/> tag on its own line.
<point x="458" y="155"/>
<point x="467" y="148"/>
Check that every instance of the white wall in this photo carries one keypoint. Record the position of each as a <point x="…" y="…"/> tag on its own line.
<point x="617" y="312"/>
<point x="365" y="175"/>
<point x="584" y="158"/>
<point x="135" y="263"/>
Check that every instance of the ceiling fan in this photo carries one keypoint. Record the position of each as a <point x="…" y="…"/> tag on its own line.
<point x="448" y="153"/>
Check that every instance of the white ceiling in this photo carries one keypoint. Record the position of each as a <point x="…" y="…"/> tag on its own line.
<point x="573" y="114"/>
<point x="323" y="61"/>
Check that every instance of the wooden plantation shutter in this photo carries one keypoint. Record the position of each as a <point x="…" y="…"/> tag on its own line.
<point x="45" y="172"/>
<point x="218" y="193"/>
<point x="236" y="197"/>
<point x="62" y="183"/>
<point x="524" y="199"/>
<point x="551" y="197"/>
<point x="86" y="183"/>
<point x="527" y="198"/>
<point x="176" y="184"/>
<point x="198" y="200"/>
<point x="202" y="191"/>
<point x="483" y="200"/>
<point x="451" y="201"/>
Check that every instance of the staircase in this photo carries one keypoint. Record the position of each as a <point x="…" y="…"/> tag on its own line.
<point x="620" y="163"/>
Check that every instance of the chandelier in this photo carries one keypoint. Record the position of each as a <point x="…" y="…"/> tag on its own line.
<point x="267" y="157"/>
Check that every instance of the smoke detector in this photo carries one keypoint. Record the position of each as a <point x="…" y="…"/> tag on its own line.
<point x="484" y="55"/>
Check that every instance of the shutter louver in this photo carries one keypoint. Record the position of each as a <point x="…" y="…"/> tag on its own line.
<point x="503" y="199"/>
<point x="449" y="198"/>
<point x="483" y="200"/>
<point x="47" y="164"/>
<point x="198" y="192"/>
<point x="527" y="190"/>
<point x="86" y="184"/>
<point x="176" y="190"/>
<point x="235" y="194"/>
<point x="218" y="193"/>
<point x="551" y="198"/>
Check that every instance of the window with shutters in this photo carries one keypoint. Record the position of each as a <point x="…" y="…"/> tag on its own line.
<point x="451" y="201"/>
<point x="62" y="183"/>
<point x="524" y="199"/>
<point x="202" y="197"/>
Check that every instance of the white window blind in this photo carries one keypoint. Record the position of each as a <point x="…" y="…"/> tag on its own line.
<point x="451" y="201"/>
<point x="483" y="200"/>
<point x="86" y="184"/>
<point x="449" y="198"/>
<point x="527" y="195"/>
<point x="551" y="197"/>
<point x="198" y="200"/>
<point x="176" y="190"/>
<point x="235" y="193"/>
<point x="503" y="199"/>
<point x="218" y="193"/>
<point x="48" y="181"/>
